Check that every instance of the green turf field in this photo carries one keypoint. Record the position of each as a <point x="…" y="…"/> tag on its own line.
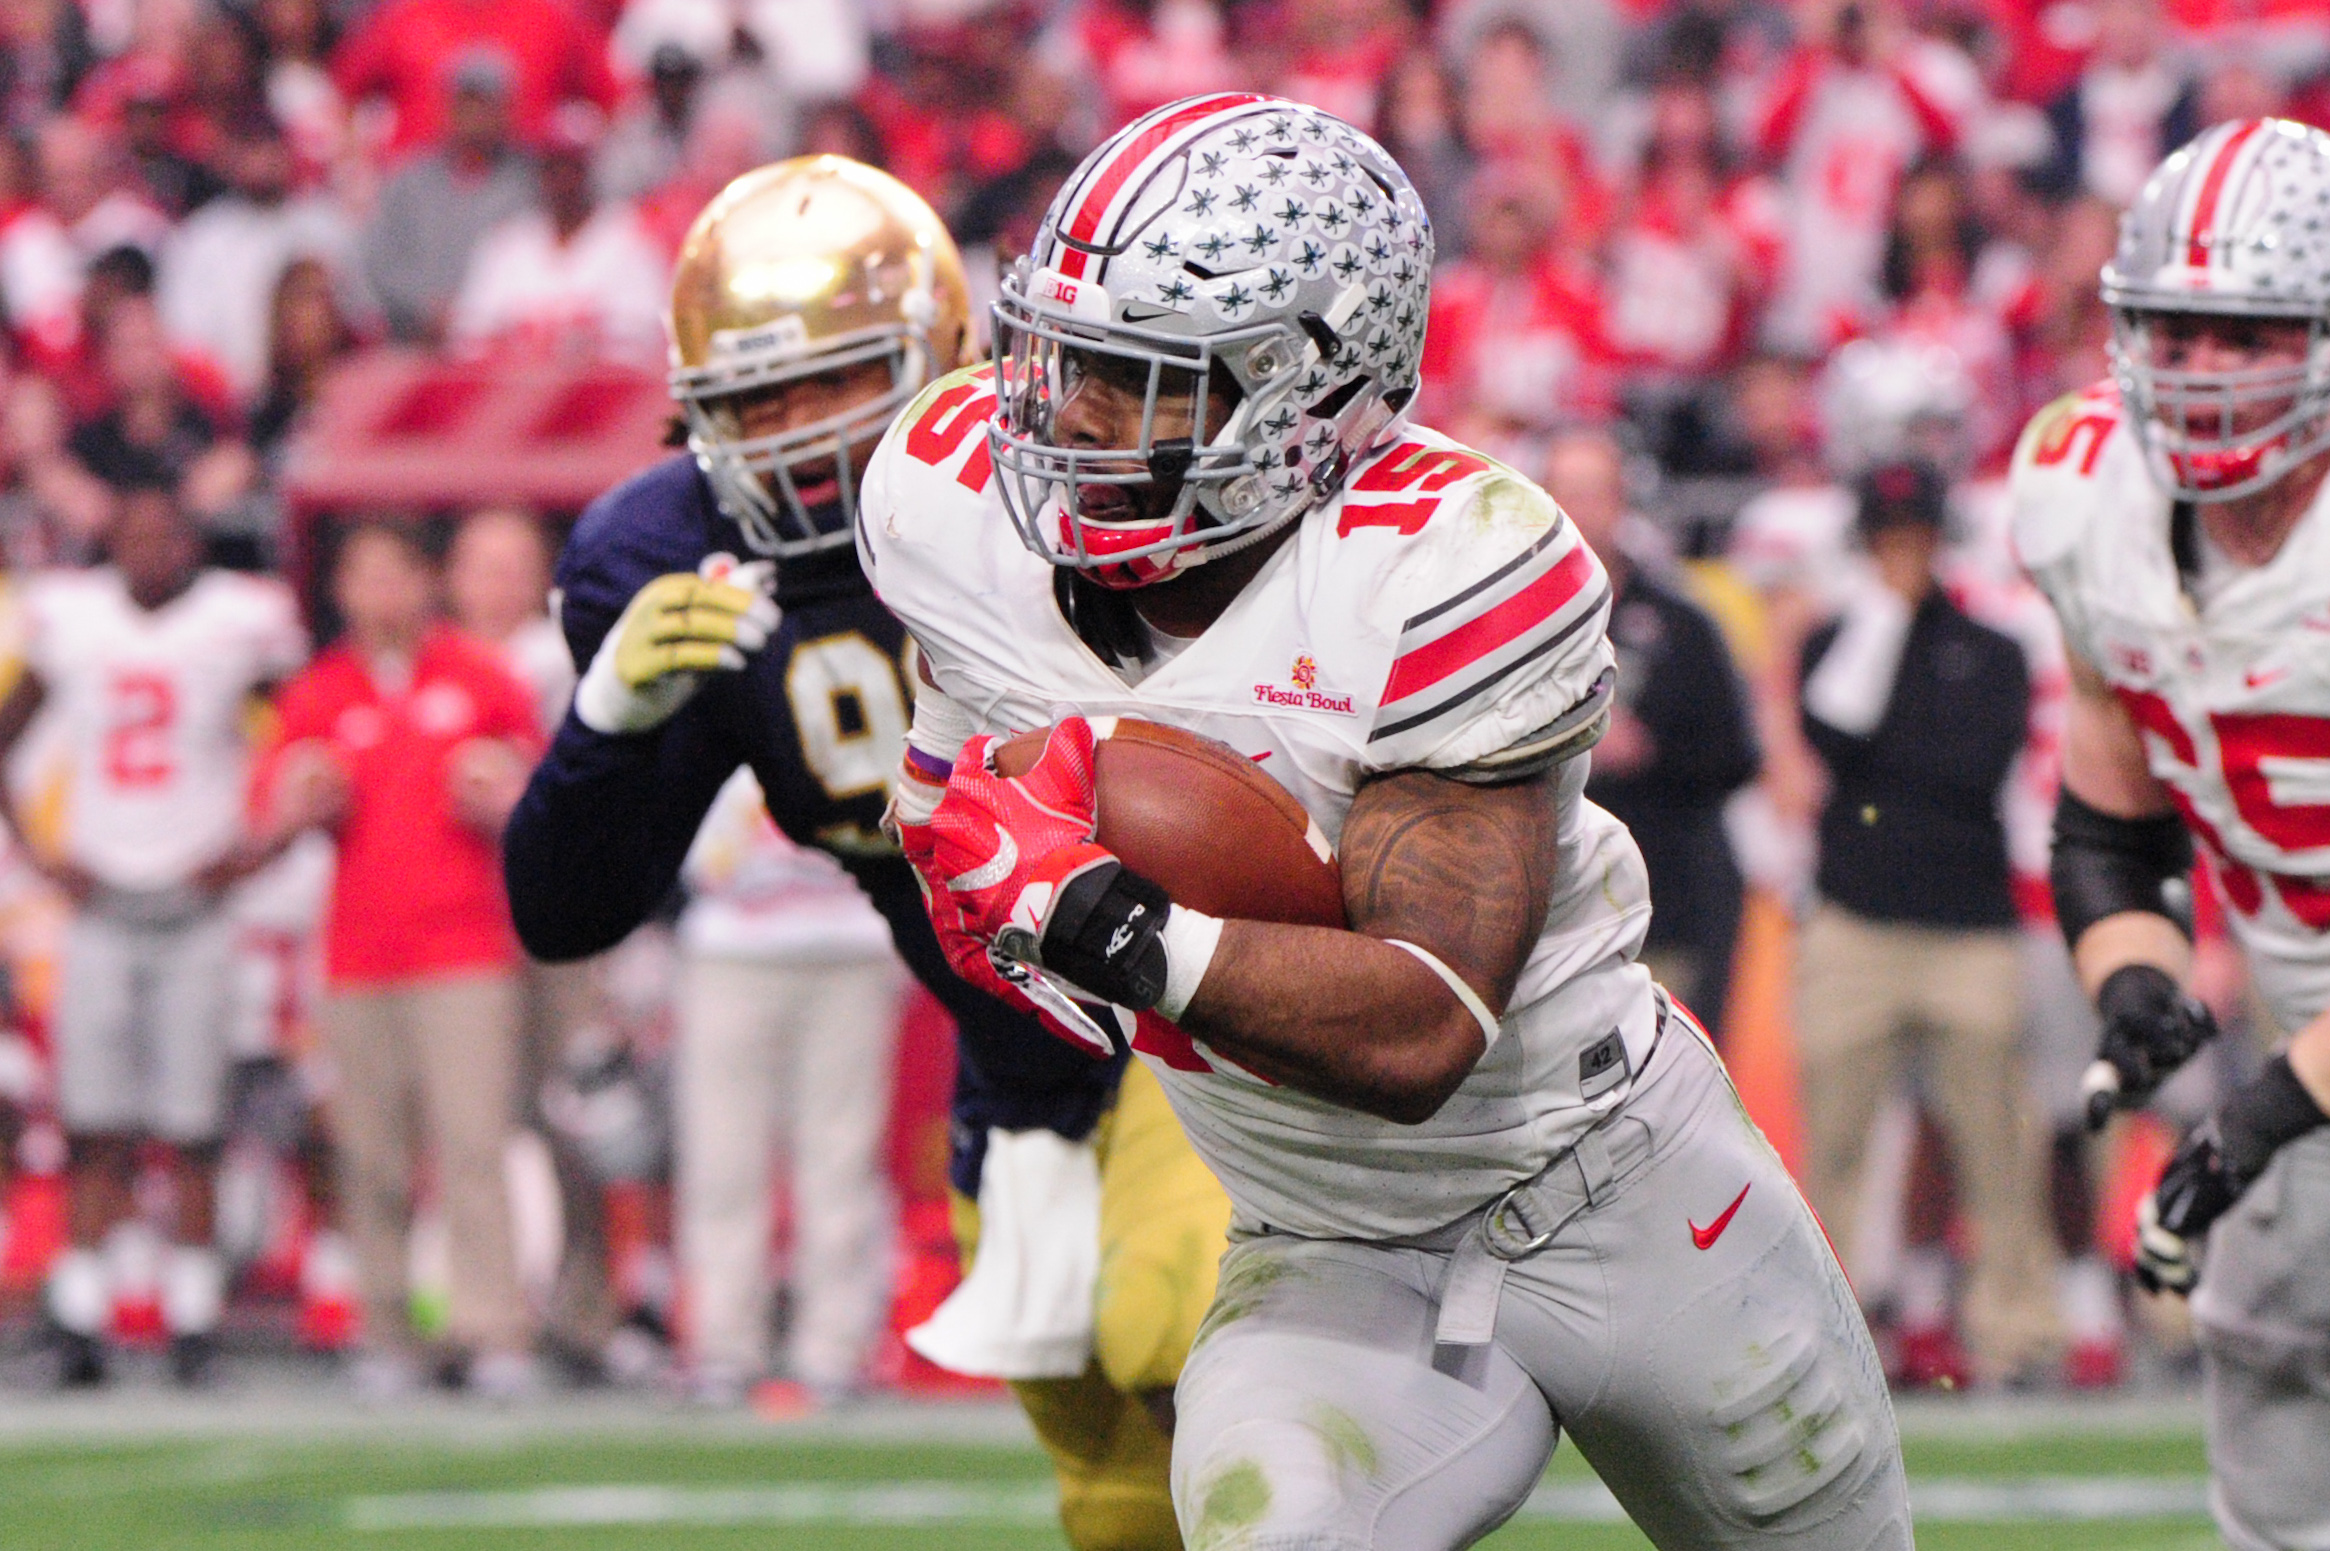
<point x="440" y="1481"/>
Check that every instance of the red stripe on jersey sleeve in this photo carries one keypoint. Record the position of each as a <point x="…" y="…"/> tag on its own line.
<point x="1531" y="607"/>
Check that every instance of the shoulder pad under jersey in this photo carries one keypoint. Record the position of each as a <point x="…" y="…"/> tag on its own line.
<point x="2077" y="468"/>
<point x="2069" y="458"/>
<point x="928" y="485"/>
<point x="1498" y="604"/>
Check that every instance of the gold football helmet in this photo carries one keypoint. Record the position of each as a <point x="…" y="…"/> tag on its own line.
<point x="799" y="268"/>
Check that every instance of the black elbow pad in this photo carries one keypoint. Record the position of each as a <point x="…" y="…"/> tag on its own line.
<point x="2104" y="864"/>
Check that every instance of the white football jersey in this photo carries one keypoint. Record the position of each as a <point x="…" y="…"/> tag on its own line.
<point x="1439" y="611"/>
<point x="2231" y="687"/>
<point x="151" y="707"/>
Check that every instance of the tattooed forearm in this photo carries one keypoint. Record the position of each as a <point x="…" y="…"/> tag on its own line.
<point x="1463" y="872"/>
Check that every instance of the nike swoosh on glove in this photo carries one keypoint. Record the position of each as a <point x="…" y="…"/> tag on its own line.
<point x="922" y="788"/>
<point x="675" y="629"/>
<point x="998" y="848"/>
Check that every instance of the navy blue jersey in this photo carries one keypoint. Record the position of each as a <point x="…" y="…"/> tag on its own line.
<point x="596" y="843"/>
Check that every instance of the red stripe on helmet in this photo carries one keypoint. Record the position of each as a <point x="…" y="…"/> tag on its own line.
<point x="1127" y="160"/>
<point x="2204" y="209"/>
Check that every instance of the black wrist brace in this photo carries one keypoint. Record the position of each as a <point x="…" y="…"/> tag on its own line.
<point x="1103" y="935"/>
<point x="2272" y="1109"/>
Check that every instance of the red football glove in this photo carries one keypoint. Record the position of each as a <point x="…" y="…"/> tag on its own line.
<point x="1001" y="847"/>
<point x="991" y="860"/>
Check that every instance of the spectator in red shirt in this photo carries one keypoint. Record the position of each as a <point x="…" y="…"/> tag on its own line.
<point x="1853" y="109"/>
<point x="1932" y="255"/>
<point x="965" y="108"/>
<point x="1514" y="345"/>
<point x="1509" y="117"/>
<point x="404" y="49"/>
<point x="1693" y="253"/>
<point x="1143" y="54"/>
<point x="411" y="742"/>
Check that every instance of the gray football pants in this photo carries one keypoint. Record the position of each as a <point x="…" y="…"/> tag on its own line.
<point x="1729" y="1395"/>
<point x="2263" y="1316"/>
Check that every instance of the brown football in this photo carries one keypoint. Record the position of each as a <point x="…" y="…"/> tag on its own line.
<point x="1197" y="819"/>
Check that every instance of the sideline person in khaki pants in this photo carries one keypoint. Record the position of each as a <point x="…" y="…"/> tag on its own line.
<point x="1875" y="994"/>
<point x="409" y="742"/>
<point x="1918" y="713"/>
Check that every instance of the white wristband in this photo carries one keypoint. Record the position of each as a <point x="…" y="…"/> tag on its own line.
<point x="1190" y="938"/>
<point x="1473" y="1004"/>
<point x="941" y="725"/>
<point x="605" y="704"/>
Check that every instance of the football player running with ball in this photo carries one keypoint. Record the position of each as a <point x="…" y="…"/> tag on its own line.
<point x="718" y="618"/>
<point x="1488" y="1181"/>
<point x="2175" y="517"/>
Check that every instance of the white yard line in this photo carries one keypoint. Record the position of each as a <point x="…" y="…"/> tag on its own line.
<point x="1954" y="1500"/>
<point x="1935" y="1500"/>
<point x="325" y="1413"/>
<point x="900" y="1503"/>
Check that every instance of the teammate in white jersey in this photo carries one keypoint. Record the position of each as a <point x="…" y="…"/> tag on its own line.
<point x="149" y="664"/>
<point x="2176" y="518"/>
<point x="1488" y="1181"/>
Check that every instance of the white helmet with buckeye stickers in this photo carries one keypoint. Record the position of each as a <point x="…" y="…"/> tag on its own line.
<point x="1232" y="245"/>
<point x="2236" y="224"/>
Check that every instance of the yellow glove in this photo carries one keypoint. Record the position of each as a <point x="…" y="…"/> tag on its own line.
<point x="674" y="630"/>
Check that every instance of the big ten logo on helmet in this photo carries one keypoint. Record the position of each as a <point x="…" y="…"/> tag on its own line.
<point x="1302" y="692"/>
<point x="1084" y="300"/>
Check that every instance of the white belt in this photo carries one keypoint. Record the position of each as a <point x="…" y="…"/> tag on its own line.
<point x="1483" y="1245"/>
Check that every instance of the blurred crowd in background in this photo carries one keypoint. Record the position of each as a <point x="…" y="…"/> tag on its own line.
<point x="1763" y="291"/>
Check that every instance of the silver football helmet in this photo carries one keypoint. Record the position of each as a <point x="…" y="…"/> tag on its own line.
<point x="1894" y="400"/>
<point x="2234" y="224"/>
<point x="1222" y="237"/>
